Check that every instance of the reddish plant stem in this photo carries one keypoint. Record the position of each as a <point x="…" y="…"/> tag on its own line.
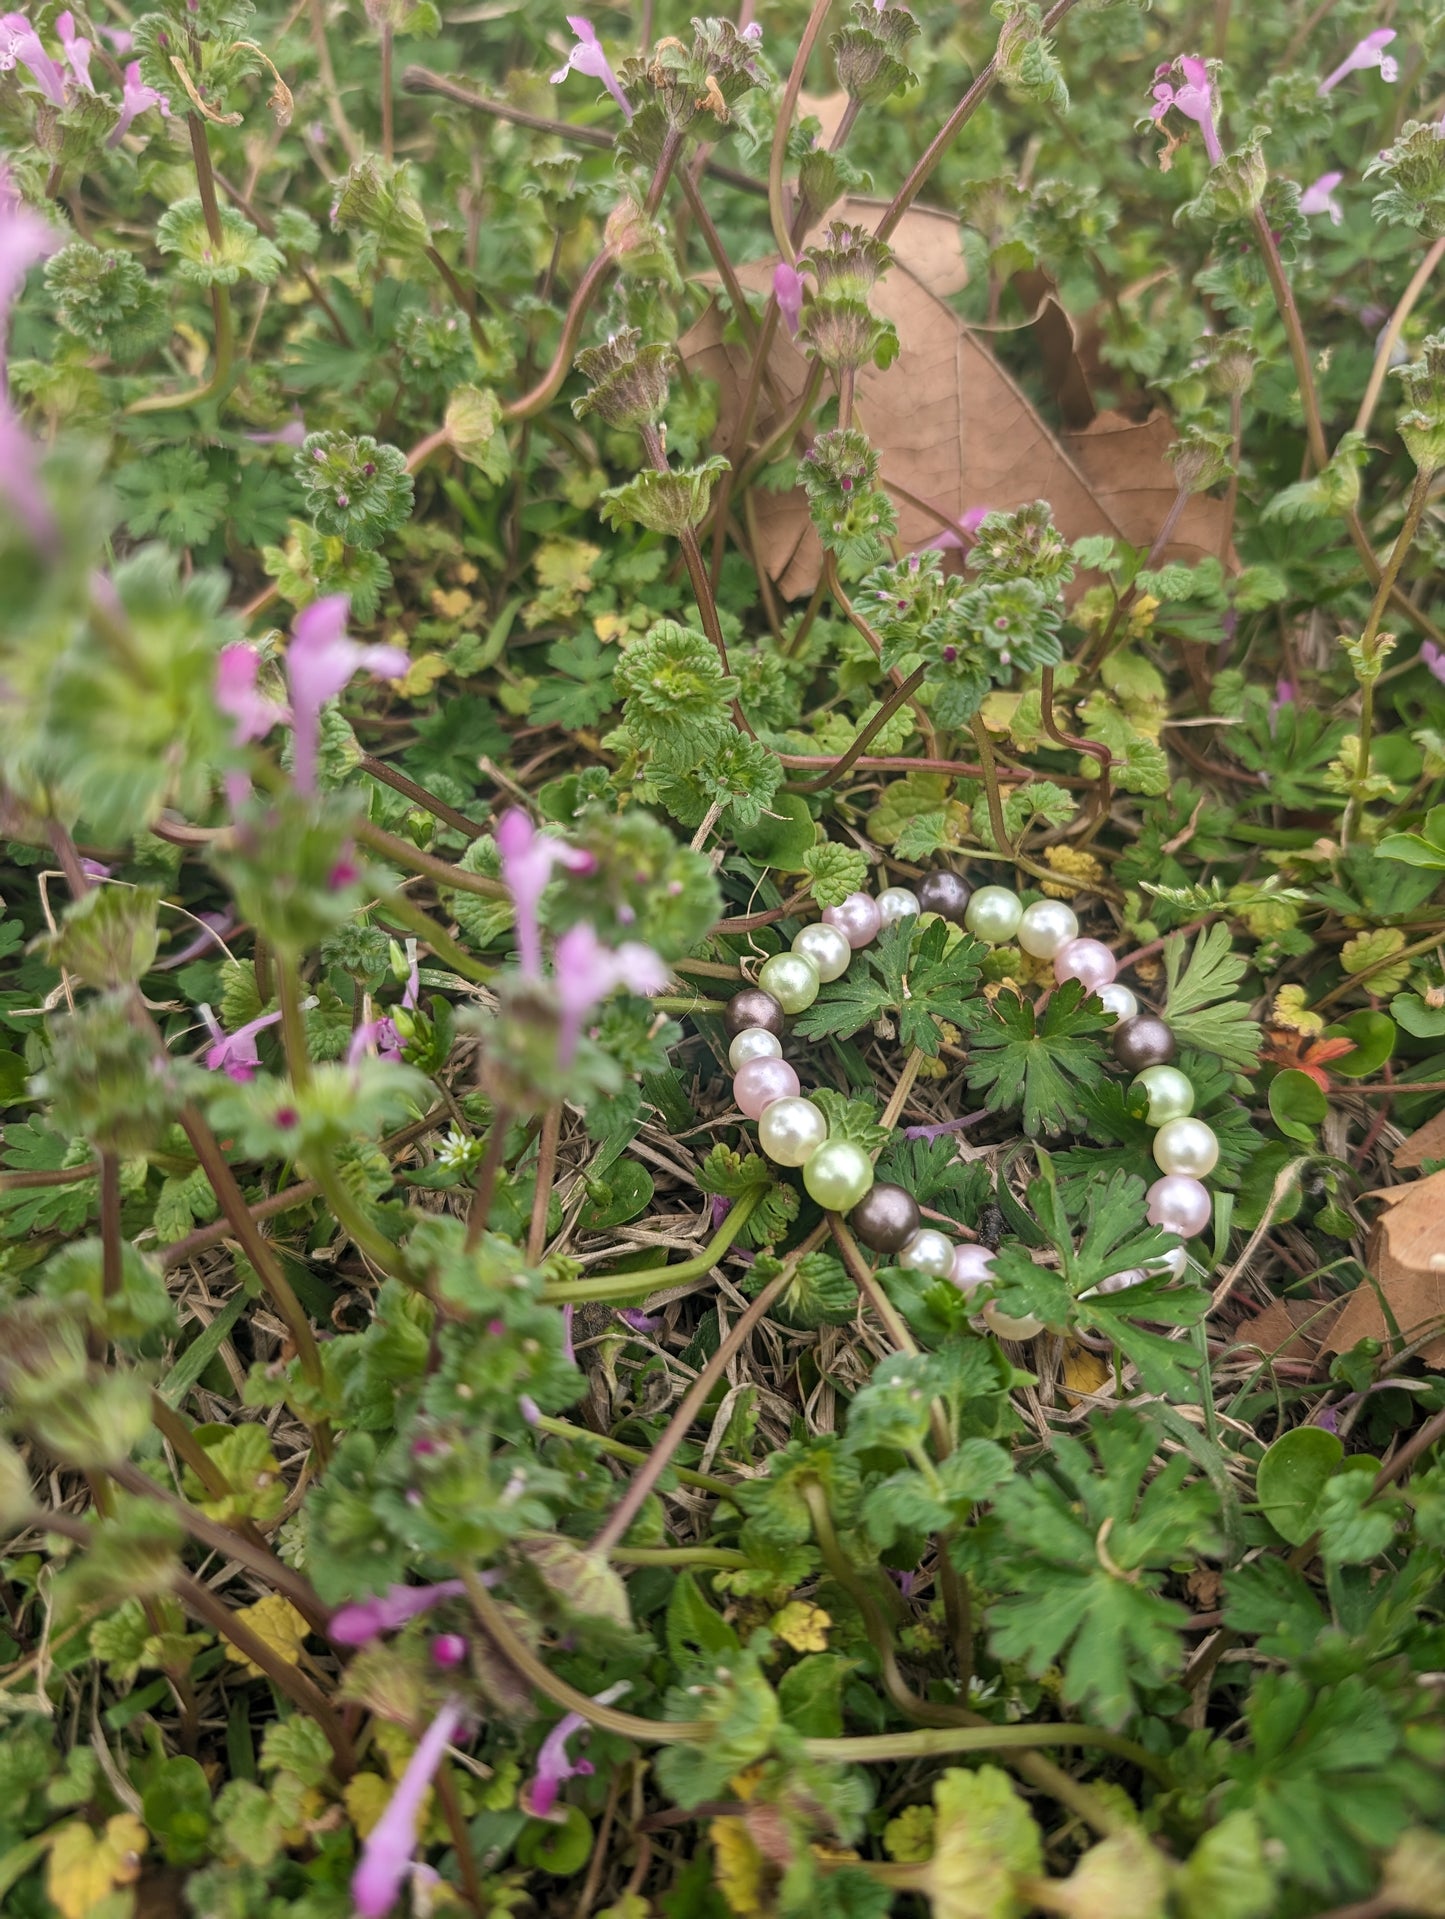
<point x="846" y="760"/>
<point x="487" y="1172"/>
<point x="438" y="808"/>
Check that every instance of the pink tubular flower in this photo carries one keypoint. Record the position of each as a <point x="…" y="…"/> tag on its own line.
<point x="251" y="714"/>
<point x="321" y="659"/>
<point x="367" y="1619"/>
<point x="528" y="858"/>
<point x="292" y="434"/>
<point x="1369" y="52"/>
<point x="20" y="42"/>
<point x="1432" y="658"/>
<point x="587" y="57"/>
<point x="386" y="1856"/>
<point x="234" y="1054"/>
<point x="75" y="48"/>
<point x="135" y="98"/>
<point x="1320" y="198"/>
<point x="554" y="1763"/>
<point x="379" y="1035"/>
<point x="1194" y="98"/>
<point x="1285" y="694"/>
<point x="587" y="972"/>
<point x="788" y="292"/>
<point x="25" y="240"/>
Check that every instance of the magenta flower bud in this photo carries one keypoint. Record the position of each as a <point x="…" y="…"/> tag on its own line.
<point x="448" y="1649"/>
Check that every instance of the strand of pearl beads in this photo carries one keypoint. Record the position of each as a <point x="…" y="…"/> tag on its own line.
<point x="838" y="1175"/>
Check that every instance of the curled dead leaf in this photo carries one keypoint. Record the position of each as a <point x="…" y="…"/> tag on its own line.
<point x="1406" y="1257"/>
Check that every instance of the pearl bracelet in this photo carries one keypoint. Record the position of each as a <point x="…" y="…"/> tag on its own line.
<point x="838" y="1175"/>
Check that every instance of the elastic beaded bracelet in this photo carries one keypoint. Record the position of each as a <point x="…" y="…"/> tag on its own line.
<point x="838" y="1175"/>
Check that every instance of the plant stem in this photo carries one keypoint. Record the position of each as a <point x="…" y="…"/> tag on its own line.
<point x="487" y="1172"/>
<point x="632" y="1501"/>
<point x="546" y="1174"/>
<point x="455" y="1815"/>
<point x="224" y="346"/>
<point x="720" y="1556"/>
<point x="351" y="1217"/>
<point x="112" y="1252"/>
<point x="1095" y="751"/>
<point x="293" y="1021"/>
<point x="1390" y="338"/>
<point x="438" y="808"/>
<point x="787" y="107"/>
<point x="408" y="914"/>
<point x="904" y="690"/>
<point x="866" y="1281"/>
<point x="990" y="784"/>
<point x="441" y="871"/>
<point x="1376" y="966"/>
<point x="631" y="1456"/>
<point x="977" y="93"/>
<point x="387" y="137"/>
<point x="652" y="1279"/>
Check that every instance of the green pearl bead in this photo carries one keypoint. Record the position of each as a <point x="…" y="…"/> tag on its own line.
<point x="792" y="979"/>
<point x="993" y="914"/>
<point x="838" y="1175"/>
<point x="1168" y="1091"/>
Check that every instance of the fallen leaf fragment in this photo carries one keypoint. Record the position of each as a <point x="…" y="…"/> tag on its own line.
<point x="1406" y="1255"/>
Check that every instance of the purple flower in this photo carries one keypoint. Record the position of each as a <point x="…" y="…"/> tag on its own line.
<point x="1369" y="52"/>
<point x="234" y="1054"/>
<point x="376" y="1884"/>
<point x="555" y="1764"/>
<point x="379" y="1035"/>
<point x="366" y="1619"/>
<point x="121" y="39"/>
<point x="960" y="536"/>
<point x="292" y="434"/>
<point x="1285" y="694"/>
<point x="586" y="972"/>
<point x="528" y="858"/>
<point x="529" y="1409"/>
<point x="753" y="32"/>
<point x="252" y="715"/>
<point x="321" y="659"/>
<point x="448" y="1649"/>
<point x="20" y="42"/>
<point x="75" y="49"/>
<point x="411" y="997"/>
<point x="1433" y="658"/>
<point x="1320" y="198"/>
<point x="639" y="1321"/>
<point x="25" y="239"/>
<point x="214" y="928"/>
<point x="788" y="292"/>
<point x="1194" y="98"/>
<point x="20" y="487"/>
<point x="587" y="57"/>
<point x="569" y="1351"/>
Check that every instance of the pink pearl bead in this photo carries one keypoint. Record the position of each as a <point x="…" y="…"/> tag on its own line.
<point x="1087" y="960"/>
<point x="760" y="1082"/>
<point x="971" y="1266"/>
<point x="857" y="919"/>
<point x="1180" y="1205"/>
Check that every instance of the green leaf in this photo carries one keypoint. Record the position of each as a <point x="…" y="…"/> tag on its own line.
<point x="1297" y="1104"/>
<point x="696" y="1633"/>
<point x="1373" y="1034"/>
<point x="811" y="1694"/>
<point x="1418" y="849"/>
<point x="916" y="978"/>
<point x="782" y="837"/>
<point x="176" y="1806"/>
<point x="240" y="253"/>
<point x="581" y="690"/>
<point x="1292" y="1476"/>
<point x="1352" y="1527"/>
<point x="834" y="871"/>
<point x="1019" y="1059"/>
<point x="170" y="493"/>
<point x="1212" y="972"/>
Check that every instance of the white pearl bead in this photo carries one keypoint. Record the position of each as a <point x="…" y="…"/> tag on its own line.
<point x="1007" y="1328"/>
<point x="993" y="914"/>
<point x="838" y="1175"/>
<point x="1180" y="1206"/>
<point x="1186" y="1146"/>
<point x="826" y="947"/>
<point x="971" y="1267"/>
<point x="1121" y="1282"/>
<point x="896" y="903"/>
<point x="791" y="979"/>
<point x="1047" y="926"/>
<point x="1118" y="1000"/>
<point x="928" y="1252"/>
<point x="1169" y="1092"/>
<point x="754" y="1042"/>
<point x="791" y="1131"/>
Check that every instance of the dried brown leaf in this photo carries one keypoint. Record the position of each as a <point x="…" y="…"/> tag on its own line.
<point x="1407" y="1258"/>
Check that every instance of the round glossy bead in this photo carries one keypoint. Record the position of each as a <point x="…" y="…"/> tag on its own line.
<point x="1175" y="1262"/>
<point x="1186" y="1146"/>
<point x="826" y="947"/>
<point x="945" y="893"/>
<point x="753" y="1007"/>
<point x="886" y="1218"/>
<point x="1121" y="1282"/>
<point x="791" y="1131"/>
<point x="1088" y="961"/>
<point x="762" y="1081"/>
<point x="928" y="1252"/>
<point x="791" y="979"/>
<point x="857" y="918"/>
<point x="838" y="1175"/>
<point x="754" y="1042"/>
<point x="1169" y="1092"/>
<point x="896" y="903"/>
<point x="1118" y="1000"/>
<point x="993" y="914"/>
<point x="1180" y="1205"/>
<point x="1047" y="927"/>
<point x="1007" y="1328"/>
<point x="971" y="1267"/>
<point x="1143" y="1041"/>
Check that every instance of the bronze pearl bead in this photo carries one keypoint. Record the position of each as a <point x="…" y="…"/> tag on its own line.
<point x="946" y="893"/>
<point x="886" y="1218"/>
<point x="1143" y="1041"/>
<point x="753" y="1007"/>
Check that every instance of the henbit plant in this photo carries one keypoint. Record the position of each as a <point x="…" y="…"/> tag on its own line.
<point x="478" y="586"/>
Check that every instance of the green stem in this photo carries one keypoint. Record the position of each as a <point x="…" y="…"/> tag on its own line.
<point x="398" y="907"/>
<point x="405" y="854"/>
<point x="632" y="1455"/>
<point x="719" y="1556"/>
<point x="351" y="1216"/>
<point x="639" y="1281"/>
<point x="679" y="1004"/>
<point x="989" y="770"/>
<point x="293" y="1022"/>
<point x="112" y="1249"/>
<point x="480" y="1209"/>
<point x="546" y="1174"/>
